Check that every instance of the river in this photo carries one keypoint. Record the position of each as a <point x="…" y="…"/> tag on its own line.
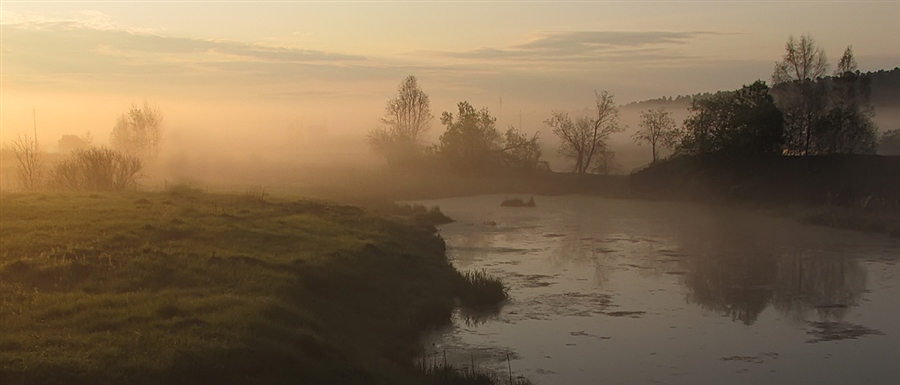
<point x="625" y="292"/>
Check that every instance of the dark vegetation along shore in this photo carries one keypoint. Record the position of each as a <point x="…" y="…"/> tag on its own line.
<point x="186" y="287"/>
<point x="858" y="192"/>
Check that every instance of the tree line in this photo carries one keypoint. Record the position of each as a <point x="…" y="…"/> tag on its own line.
<point x="804" y="112"/>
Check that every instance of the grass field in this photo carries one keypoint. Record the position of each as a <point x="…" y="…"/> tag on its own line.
<point x="186" y="287"/>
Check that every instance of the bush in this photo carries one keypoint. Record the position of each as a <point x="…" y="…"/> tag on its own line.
<point x="96" y="169"/>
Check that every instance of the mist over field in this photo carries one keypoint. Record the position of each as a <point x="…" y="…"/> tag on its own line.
<point x="446" y="193"/>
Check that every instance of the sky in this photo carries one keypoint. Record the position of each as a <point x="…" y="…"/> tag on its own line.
<point x="264" y="76"/>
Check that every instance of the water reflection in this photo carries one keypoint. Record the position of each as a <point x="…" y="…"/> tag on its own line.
<point x="646" y="280"/>
<point x="741" y="279"/>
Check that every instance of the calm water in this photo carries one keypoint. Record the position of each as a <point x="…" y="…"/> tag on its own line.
<point x="609" y="291"/>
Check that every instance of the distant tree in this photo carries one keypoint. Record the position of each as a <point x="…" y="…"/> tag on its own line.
<point x="584" y="138"/>
<point x="657" y="128"/>
<point x="406" y="119"/>
<point x="889" y="144"/>
<point x="799" y="96"/>
<point x="29" y="162"/>
<point x="471" y="139"/>
<point x="139" y="131"/>
<point x="745" y="122"/>
<point x="70" y="143"/>
<point x="471" y="143"/>
<point x="847" y="63"/>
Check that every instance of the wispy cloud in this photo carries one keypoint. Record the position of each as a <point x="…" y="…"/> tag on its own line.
<point x="581" y="46"/>
<point x="94" y="47"/>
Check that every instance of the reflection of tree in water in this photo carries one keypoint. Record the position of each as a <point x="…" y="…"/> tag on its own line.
<point x="742" y="285"/>
<point x="736" y="285"/>
<point x="582" y="252"/>
<point x="828" y="285"/>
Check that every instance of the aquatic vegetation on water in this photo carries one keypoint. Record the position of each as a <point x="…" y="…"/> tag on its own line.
<point x="478" y="289"/>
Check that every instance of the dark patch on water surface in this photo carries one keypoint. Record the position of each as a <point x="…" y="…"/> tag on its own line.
<point x="586" y="334"/>
<point x="837" y="331"/>
<point x="553" y="235"/>
<point x="757" y="359"/>
<point x="631" y="314"/>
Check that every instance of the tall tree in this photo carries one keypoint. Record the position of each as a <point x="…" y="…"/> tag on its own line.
<point x="800" y="97"/>
<point x="139" y="131"/>
<point x="406" y="118"/>
<point x="583" y="139"/>
<point x="656" y="128"/>
<point x="745" y="121"/>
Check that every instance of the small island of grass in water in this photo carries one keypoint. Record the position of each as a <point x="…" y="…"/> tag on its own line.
<point x="518" y="202"/>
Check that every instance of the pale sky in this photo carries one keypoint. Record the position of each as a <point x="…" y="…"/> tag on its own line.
<point x="244" y="70"/>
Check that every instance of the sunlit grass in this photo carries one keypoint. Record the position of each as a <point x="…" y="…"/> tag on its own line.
<point x="188" y="287"/>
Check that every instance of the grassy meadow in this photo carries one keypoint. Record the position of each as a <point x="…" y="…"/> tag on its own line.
<point x="186" y="287"/>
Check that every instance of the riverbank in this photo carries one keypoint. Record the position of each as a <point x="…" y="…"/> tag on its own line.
<point x="857" y="192"/>
<point x="190" y="287"/>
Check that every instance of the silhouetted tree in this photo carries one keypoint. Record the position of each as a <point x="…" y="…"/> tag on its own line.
<point x="847" y="63"/>
<point x="406" y="119"/>
<point x="847" y="126"/>
<point x="657" y="128"/>
<point x="745" y="121"/>
<point x="29" y="162"/>
<point x="471" y="140"/>
<point x="799" y="96"/>
<point x="584" y="138"/>
<point x="472" y="143"/>
<point x="139" y="132"/>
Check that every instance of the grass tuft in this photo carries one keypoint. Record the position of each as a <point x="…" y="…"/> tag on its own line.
<point x="478" y="289"/>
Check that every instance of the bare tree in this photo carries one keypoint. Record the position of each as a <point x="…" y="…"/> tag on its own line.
<point x="798" y="94"/>
<point x="657" y="128"/>
<point x="847" y="63"/>
<point x="585" y="138"/>
<point x="406" y="119"/>
<point x="29" y="162"/>
<point x="139" y="131"/>
<point x="802" y="61"/>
